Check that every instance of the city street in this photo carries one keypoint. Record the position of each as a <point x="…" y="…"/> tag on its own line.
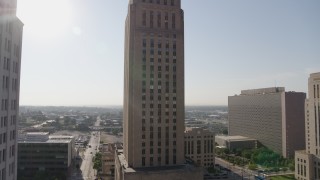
<point x="86" y="170"/>
<point x="236" y="171"/>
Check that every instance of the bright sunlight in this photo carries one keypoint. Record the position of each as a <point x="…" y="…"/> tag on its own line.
<point x="45" y="18"/>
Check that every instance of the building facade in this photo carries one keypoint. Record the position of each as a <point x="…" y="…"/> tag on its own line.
<point x="307" y="161"/>
<point x="270" y="115"/>
<point x="10" y="60"/>
<point x="199" y="146"/>
<point x="39" y="152"/>
<point x="108" y="161"/>
<point x="153" y="112"/>
<point x="236" y="142"/>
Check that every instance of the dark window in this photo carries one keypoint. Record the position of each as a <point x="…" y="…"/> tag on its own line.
<point x="144" y="43"/>
<point x="143" y="161"/>
<point x="144" y="17"/>
<point x="159" y="19"/>
<point x="151" y="135"/>
<point x="151" y="161"/>
<point x="151" y="19"/>
<point x="173" y="21"/>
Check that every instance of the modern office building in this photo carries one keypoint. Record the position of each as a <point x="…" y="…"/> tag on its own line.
<point x="199" y="146"/>
<point x="39" y="152"/>
<point x="10" y="60"/>
<point x="270" y="115"/>
<point x="153" y="91"/>
<point x="307" y="161"/>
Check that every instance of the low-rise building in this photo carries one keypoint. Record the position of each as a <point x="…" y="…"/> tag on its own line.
<point x="236" y="142"/>
<point x="184" y="171"/>
<point x="39" y="152"/>
<point x="199" y="146"/>
<point x="108" y="161"/>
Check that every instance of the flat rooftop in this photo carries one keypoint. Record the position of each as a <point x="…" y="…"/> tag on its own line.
<point x="235" y="138"/>
<point x="37" y="133"/>
<point x="43" y="137"/>
<point x="155" y="169"/>
<point x="263" y="91"/>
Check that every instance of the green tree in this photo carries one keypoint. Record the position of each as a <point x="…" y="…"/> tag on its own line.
<point x="97" y="161"/>
<point x="225" y="132"/>
<point x="252" y="166"/>
<point x="291" y="166"/>
<point x="284" y="169"/>
<point x="246" y="153"/>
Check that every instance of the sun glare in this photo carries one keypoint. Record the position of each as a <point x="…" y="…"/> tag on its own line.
<point x="45" y="18"/>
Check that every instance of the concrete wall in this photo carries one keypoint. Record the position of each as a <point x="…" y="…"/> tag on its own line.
<point x="248" y="144"/>
<point x="259" y="117"/>
<point x="302" y="166"/>
<point x="199" y="146"/>
<point x="295" y="124"/>
<point x="276" y="119"/>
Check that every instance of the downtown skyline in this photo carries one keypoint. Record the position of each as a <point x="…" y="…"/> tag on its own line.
<point x="229" y="46"/>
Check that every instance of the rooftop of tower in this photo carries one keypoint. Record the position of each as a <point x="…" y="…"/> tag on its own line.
<point x="263" y="91"/>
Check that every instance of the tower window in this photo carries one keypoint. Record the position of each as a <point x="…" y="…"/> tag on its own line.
<point x="144" y="17"/>
<point x="143" y="161"/>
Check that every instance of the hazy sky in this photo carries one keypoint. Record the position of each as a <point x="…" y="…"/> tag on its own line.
<point x="73" y="49"/>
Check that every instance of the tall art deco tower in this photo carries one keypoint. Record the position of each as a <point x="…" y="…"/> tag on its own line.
<point x="154" y="83"/>
<point x="153" y="110"/>
<point x="307" y="161"/>
<point x="10" y="61"/>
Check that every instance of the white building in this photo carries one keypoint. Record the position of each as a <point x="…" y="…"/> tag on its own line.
<point x="307" y="161"/>
<point x="10" y="61"/>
